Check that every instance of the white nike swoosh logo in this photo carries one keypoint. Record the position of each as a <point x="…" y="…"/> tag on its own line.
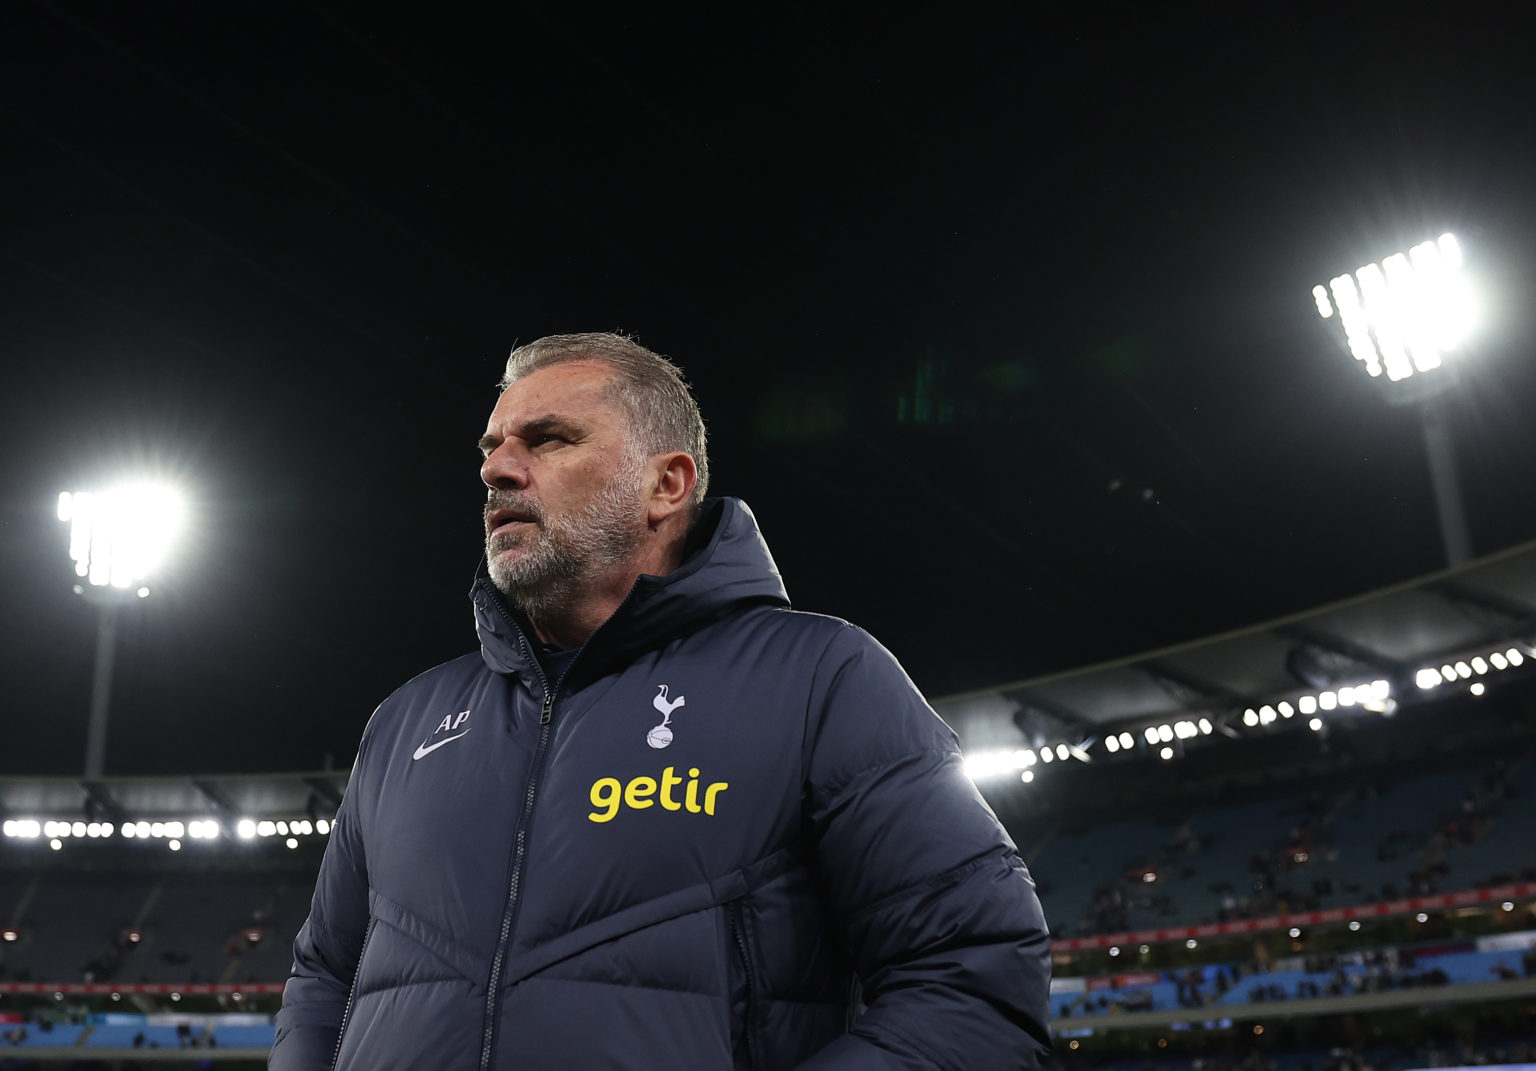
<point x="427" y="749"/>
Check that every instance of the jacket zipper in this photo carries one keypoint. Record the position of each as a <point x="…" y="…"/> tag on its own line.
<point x="509" y="915"/>
<point x="346" y="1012"/>
<point x="748" y="1020"/>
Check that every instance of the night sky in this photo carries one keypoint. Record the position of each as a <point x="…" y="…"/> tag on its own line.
<point x="1000" y="320"/>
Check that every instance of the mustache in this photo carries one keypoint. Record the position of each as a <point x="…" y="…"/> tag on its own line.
<point x="514" y="502"/>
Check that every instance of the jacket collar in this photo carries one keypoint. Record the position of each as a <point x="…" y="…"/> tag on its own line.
<point x="726" y="566"/>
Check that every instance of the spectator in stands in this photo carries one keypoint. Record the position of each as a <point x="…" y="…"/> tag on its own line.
<point x="560" y="890"/>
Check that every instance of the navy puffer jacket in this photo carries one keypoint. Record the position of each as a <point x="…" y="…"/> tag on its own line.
<point x="679" y="856"/>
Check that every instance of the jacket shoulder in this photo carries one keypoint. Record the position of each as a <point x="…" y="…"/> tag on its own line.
<point x="467" y="667"/>
<point x="804" y="624"/>
<point x="441" y="681"/>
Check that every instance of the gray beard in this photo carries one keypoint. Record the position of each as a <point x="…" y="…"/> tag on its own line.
<point x="562" y="555"/>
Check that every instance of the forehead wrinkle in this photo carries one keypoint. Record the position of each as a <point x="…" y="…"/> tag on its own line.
<point x="605" y="392"/>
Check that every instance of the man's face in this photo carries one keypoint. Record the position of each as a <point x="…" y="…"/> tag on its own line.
<point x="564" y="483"/>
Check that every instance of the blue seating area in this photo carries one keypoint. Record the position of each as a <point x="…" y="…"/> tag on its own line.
<point x="245" y="1037"/>
<point x="122" y="1035"/>
<point x="59" y="1036"/>
<point x="1225" y="986"/>
<point x="127" y="1034"/>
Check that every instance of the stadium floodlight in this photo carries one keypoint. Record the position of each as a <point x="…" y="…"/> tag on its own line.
<point x="119" y="539"/>
<point x="1401" y="317"/>
<point x="1404" y="314"/>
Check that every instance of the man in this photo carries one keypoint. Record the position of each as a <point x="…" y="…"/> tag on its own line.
<point x="659" y="820"/>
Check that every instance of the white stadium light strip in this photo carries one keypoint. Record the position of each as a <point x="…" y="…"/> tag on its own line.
<point x="1371" y="696"/>
<point x="173" y="832"/>
<point x="984" y="765"/>
<point x="1374" y="696"/>
<point x="1473" y="665"/>
<point x="1401" y="315"/>
<point x="990" y="764"/>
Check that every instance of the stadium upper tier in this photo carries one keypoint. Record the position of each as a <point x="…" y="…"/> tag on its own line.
<point x="1367" y="834"/>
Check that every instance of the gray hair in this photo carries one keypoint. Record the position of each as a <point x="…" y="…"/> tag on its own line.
<point x="663" y="414"/>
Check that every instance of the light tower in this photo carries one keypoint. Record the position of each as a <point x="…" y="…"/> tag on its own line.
<point x="118" y="540"/>
<point x="1401" y="317"/>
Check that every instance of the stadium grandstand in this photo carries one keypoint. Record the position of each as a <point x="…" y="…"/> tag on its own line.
<point x="1310" y="844"/>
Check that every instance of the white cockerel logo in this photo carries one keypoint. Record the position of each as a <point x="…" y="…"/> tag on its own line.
<point x="661" y="736"/>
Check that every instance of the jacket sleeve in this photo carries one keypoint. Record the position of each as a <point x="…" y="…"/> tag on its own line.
<point x="326" y="951"/>
<point x="939" y="912"/>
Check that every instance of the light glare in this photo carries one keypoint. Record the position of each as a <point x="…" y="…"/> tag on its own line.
<point x="1402" y="314"/>
<point x="121" y="536"/>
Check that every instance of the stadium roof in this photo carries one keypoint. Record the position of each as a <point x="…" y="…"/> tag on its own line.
<point x="224" y="796"/>
<point x="1393" y="634"/>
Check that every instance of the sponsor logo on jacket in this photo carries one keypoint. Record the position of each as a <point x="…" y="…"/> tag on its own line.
<point x="609" y="795"/>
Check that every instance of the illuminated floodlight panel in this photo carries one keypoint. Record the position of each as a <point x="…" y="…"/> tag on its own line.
<point x="1402" y="315"/>
<point x="119" y="538"/>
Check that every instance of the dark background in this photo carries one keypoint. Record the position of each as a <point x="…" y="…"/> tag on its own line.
<point x="1001" y="320"/>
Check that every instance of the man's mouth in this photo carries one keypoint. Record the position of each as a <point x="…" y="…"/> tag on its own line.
<point x="505" y="518"/>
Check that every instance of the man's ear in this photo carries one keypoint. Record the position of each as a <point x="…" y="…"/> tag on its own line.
<point x="674" y="477"/>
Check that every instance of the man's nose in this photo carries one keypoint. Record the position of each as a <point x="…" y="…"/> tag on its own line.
<point x="503" y="468"/>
